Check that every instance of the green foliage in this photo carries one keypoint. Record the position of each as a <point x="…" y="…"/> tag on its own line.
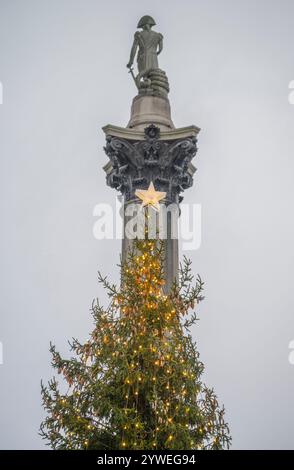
<point x="136" y="383"/>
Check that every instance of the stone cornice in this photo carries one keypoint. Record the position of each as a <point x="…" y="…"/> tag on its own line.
<point x="132" y="134"/>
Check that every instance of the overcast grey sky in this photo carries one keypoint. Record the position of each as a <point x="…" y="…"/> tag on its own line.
<point x="64" y="76"/>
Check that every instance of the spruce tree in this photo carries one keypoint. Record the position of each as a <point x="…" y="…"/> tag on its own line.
<point x="136" y="383"/>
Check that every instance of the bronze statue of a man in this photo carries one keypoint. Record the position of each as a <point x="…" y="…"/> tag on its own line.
<point x="150" y="45"/>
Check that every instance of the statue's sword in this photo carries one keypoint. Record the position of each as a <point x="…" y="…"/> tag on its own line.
<point x="131" y="71"/>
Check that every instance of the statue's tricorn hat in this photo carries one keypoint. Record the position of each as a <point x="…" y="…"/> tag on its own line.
<point x="146" y="20"/>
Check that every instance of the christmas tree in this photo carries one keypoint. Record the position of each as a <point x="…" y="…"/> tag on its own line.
<point x="136" y="383"/>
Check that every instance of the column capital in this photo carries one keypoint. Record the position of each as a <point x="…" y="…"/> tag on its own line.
<point x="138" y="157"/>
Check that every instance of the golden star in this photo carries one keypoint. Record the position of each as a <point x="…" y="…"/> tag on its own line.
<point x="150" y="196"/>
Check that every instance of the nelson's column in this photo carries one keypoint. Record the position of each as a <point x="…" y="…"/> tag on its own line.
<point x="150" y="152"/>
